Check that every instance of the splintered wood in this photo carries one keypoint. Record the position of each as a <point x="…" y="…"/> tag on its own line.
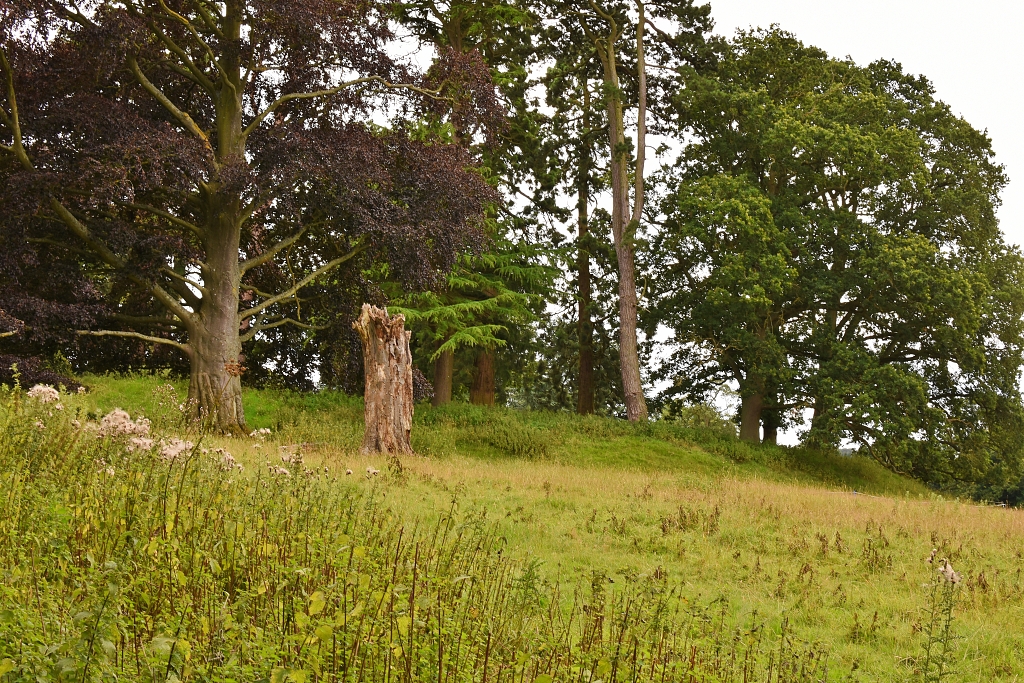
<point x="387" y="362"/>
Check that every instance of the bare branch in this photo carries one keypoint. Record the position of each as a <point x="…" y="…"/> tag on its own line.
<point x="291" y="291"/>
<point x="195" y="34"/>
<point x="135" y="335"/>
<point x="256" y="329"/>
<point x="197" y="75"/>
<point x="112" y="259"/>
<point x="334" y="91"/>
<point x="184" y="119"/>
<point x="18" y="148"/>
<point x="181" y="222"/>
<point x="269" y="254"/>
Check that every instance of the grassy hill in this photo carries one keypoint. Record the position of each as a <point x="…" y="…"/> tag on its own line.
<point x="577" y="534"/>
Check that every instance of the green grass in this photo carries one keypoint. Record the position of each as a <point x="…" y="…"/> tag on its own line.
<point x="762" y="535"/>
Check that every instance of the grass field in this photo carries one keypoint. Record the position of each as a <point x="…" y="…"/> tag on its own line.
<point x="832" y="546"/>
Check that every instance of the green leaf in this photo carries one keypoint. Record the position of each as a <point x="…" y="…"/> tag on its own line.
<point x="7" y="665"/>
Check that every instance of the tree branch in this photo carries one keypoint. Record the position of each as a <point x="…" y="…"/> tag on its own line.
<point x="333" y="91"/>
<point x="198" y="75"/>
<point x="291" y="291"/>
<point x="269" y="254"/>
<point x="135" y="335"/>
<point x="256" y="329"/>
<point x="195" y="34"/>
<point x="184" y="119"/>
<point x="111" y="259"/>
<point x="18" y="148"/>
<point x="181" y="222"/>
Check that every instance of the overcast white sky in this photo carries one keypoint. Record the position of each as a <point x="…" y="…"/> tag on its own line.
<point x="972" y="50"/>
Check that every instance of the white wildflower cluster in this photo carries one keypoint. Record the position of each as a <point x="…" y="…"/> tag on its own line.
<point x="44" y="394"/>
<point x="227" y="461"/>
<point x="945" y="569"/>
<point x="171" y="449"/>
<point x="371" y="472"/>
<point x="275" y="469"/>
<point x="140" y="443"/>
<point x="119" y="423"/>
<point x="291" y="455"/>
<point x="261" y="434"/>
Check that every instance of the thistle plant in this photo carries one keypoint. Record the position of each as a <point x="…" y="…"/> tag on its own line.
<point x="937" y="626"/>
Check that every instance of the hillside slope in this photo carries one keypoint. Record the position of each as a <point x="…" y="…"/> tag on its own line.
<point x="833" y="546"/>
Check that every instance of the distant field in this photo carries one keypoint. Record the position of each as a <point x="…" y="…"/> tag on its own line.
<point x="834" y="545"/>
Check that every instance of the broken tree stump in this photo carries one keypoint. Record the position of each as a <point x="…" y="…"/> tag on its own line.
<point x="387" y="362"/>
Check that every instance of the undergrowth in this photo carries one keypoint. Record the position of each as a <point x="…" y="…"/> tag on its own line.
<point x="145" y="558"/>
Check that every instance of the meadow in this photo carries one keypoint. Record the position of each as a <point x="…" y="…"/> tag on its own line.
<point x="514" y="546"/>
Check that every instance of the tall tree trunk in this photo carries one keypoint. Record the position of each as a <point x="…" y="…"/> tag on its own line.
<point x="215" y="387"/>
<point x="623" y="228"/>
<point x="387" y="362"/>
<point x="585" y="396"/>
<point x="444" y="368"/>
<point x="750" y="416"/>
<point x="482" y="391"/>
<point x="770" y="421"/>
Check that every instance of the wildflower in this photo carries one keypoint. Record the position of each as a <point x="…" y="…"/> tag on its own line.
<point x="280" y="470"/>
<point x="39" y="425"/>
<point x="227" y="461"/>
<point x="76" y="424"/>
<point x="348" y="472"/>
<point x="370" y="472"/>
<point x="119" y="423"/>
<point x="44" y="393"/>
<point x="81" y="390"/>
<point x="140" y="443"/>
<point x="109" y="471"/>
<point x="261" y="433"/>
<point x="58" y="407"/>
<point x="946" y="570"/>
<point x="931" y="558"/>
<point x="170" y="450"/>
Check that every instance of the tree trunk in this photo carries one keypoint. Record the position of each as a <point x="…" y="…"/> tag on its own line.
<point x="444" y="368"/>
<point x="482" y="391"/>
<point x="585" y="395"/>
<point x="750" y="417"/>
<point x="215" y="386"/>
<point x="623" y="234"/>
<point x="387" y="361"/>
<point x="770" y="420"/>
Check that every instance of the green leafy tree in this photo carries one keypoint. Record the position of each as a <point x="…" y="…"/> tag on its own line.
<point x="901" y="323"/>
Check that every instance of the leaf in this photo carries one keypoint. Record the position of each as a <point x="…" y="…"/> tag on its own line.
<point x="403" y="624"/>
<point x="6" y="617"/>
<point x="6" y="666"/>
<point x="324" y="633"/>
<point x="543" y="678"/>
<point x="316" y="603"/>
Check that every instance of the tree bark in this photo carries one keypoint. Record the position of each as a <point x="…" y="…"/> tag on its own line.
<point x="387" y="361"/>
<point x="750" y="417"/>
<point x="623" y="228"/>
<point x="444" y="368"/>
<point x="585" y="395"/>
<point x="482" y="391"/>
<point x="770" y="420"/>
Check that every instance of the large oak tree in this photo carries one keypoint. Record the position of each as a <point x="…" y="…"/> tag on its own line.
<point x="203" y="163"/>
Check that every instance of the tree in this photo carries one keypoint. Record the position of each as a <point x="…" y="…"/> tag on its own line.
<point x="724" y="279"/>
<point x="894" y="322"/>
<point x="205" y="163"/>
<point x="591" y="86"/>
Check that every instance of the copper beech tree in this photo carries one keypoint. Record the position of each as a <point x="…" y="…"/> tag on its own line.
<point x="202" y="163"/>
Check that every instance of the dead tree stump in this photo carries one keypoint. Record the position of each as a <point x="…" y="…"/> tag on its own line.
<point x="387" y="362"/>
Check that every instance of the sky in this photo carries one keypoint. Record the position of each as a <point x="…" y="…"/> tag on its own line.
<point x="971" y="50"/>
